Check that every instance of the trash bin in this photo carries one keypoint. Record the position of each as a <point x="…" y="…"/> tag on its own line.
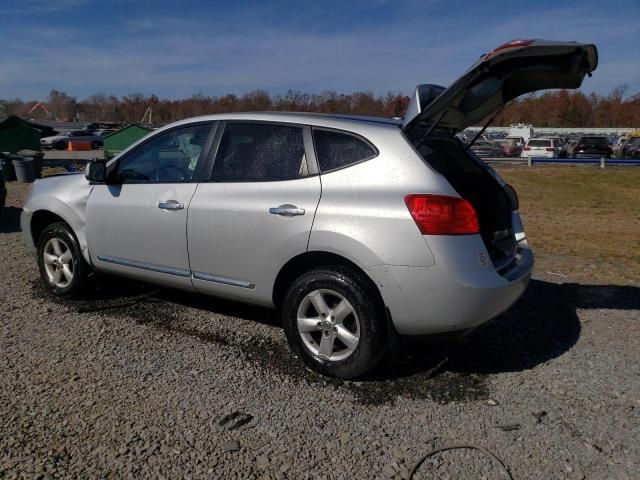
<point x="24" y="169"/>
<point x="8" y="172"/>
<point x="37" y="160"/>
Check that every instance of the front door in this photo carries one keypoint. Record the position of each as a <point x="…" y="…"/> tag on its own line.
<point x="137" y="221"/>
<point x="256" y="211"/>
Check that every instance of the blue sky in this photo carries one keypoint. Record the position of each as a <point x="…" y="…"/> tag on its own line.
<point x="178" y="48"/>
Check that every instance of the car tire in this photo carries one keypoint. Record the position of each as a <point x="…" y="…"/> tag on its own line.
<point x="62" y="267"/>
<point x="95" y="145"/>
<point x="351" y="329"/>
<point x="61" y="145"/>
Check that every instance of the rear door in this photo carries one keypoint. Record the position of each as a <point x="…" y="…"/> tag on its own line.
<point x="255" y="212"/>
<point x="511" y="70"/>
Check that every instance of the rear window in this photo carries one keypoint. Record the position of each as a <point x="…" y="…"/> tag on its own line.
<point x="539" y="143"/>
<point x="594" y="140"/>
<point x="337" y="150"/>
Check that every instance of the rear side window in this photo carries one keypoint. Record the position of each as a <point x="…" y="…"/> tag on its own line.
<point x="337" y="150"/>
<point x="259" y="152"/>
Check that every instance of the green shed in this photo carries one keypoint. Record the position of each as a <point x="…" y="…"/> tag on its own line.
<point x="117" y="141"/>
<point x="17" y="134"/>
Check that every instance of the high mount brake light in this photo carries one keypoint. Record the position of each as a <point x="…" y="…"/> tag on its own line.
<point x="511" y="44"/>
<point x="442" y="215"/>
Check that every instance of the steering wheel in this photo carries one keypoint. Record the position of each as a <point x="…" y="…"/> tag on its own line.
<point x="171" y="173"/>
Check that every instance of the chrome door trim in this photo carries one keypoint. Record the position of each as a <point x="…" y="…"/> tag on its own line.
<point x="224" y="280"/>
<point x="152" y="267"/>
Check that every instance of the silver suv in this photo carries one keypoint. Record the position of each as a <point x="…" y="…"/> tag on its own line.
<point x="355" y="229"/>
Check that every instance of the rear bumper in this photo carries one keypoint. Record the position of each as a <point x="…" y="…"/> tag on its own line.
<point x="459" y="293"/>
<point x="530" y="154"/>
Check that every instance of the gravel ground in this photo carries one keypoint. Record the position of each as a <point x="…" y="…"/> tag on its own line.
<point x="136" y="382"/>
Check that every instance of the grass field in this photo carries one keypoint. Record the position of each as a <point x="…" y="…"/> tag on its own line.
<point x="582" y="221"/>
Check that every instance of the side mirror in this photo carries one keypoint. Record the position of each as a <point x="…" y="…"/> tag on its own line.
<point x="96" y="171"/>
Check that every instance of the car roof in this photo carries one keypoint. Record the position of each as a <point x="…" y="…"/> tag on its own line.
<point x="329" y="120"/>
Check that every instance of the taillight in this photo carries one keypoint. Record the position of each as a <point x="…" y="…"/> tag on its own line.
<point x="550" y="149"/>
<point x="526" y="149"/>
<point x="442" y="215"/>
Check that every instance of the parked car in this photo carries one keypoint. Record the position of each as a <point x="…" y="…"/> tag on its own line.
<point x="487" y="149"/>
<point x="511" y="147"/>
<point x="540" y="147"/>
<point x="631" y="148"/>
<point x="412" y="235"/>
<point x="61" y="142"/>
<point x="591" y="146"/>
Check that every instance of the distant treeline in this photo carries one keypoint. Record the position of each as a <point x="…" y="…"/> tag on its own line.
<point x="556" y="108"/>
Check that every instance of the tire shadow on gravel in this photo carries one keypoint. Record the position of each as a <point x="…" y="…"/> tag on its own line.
<point x="10" y="220"/>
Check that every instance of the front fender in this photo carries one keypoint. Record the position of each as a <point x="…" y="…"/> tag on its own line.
<point x="64" y="196"/>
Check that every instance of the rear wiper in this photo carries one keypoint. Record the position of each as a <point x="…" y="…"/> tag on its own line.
<point x="483" y="129"/>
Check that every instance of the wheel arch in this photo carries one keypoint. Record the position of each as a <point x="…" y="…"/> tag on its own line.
<point x="42" y="218"/>
<point x="309" y="260"/>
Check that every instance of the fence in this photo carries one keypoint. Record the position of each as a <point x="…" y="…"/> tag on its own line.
<point x="603" y="162"/>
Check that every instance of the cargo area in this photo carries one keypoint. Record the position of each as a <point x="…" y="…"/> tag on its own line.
<point x="474" y="182"/>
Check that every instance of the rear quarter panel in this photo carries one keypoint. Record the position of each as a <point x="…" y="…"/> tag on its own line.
<point x="362" y="215"/>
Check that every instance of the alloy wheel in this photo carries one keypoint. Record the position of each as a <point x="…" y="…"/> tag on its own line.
<point x="328" y="325"/>
<point x="58" y="262"/>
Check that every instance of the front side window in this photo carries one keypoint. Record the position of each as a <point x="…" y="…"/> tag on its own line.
<point x="336" y="150"/>
<point x="171" y="157"/>
<point x="259" y="152"/>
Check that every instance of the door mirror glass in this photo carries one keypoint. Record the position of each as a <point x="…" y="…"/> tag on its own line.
<point x="96" y="171"/>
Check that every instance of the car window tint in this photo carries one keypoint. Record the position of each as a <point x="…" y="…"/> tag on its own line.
<point x="337" y="150"/>
<point x="259" y="152"/>
<point x="169" y="157"/>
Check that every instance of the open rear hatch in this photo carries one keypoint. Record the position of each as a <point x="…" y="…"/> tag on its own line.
<point x="511" y="70"/>
<point x="436" y="113"/>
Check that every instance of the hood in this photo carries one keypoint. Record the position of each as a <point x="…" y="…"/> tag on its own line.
<point x="508" y="71"/>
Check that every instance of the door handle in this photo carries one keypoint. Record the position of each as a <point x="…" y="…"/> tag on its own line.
<point x="286" y="210"/>
<point x="171" y="205"/>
